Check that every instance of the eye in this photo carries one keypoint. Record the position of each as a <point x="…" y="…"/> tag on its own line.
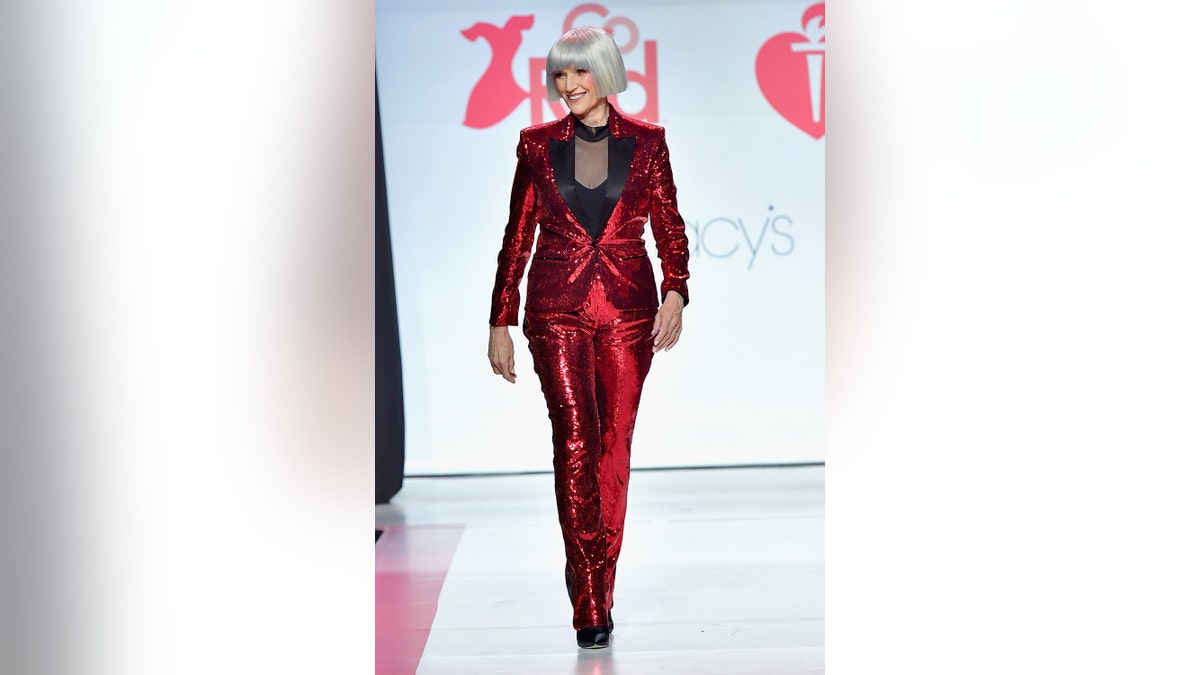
<point x="581" y="71"/>
<point x="558" y="74"/>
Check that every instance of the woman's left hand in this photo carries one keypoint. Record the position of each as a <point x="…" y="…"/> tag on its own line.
<point x="668" y="323"/>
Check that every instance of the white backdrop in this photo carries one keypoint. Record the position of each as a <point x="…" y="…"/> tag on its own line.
<point x="739" y="88"/>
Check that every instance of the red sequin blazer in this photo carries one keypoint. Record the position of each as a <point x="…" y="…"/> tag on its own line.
<point x="567" y="258"/>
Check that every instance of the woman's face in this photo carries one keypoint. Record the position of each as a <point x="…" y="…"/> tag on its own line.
<point x="576" y="87"/>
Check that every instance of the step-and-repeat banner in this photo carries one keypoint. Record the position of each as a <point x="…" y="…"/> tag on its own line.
<point x="740" y="89"/>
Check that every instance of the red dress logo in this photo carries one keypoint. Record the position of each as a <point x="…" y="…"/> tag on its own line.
<point x="497" y="94"/>
<point x="791" y="73"/>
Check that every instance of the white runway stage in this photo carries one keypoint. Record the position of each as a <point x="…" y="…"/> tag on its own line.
<point x="722" y="572"/>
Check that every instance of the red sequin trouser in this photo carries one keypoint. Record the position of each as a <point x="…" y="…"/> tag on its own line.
<point x="591" y="363"/>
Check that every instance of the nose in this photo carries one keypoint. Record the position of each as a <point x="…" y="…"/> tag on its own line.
<point x="570" y="80"/>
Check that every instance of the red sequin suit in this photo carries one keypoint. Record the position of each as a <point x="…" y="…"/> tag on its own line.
<point x="589" y="309"/>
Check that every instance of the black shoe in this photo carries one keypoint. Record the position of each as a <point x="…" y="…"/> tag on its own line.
<point x="595" y="637"/>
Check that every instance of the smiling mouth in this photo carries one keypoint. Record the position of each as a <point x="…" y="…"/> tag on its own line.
<point x="575" y="97"/>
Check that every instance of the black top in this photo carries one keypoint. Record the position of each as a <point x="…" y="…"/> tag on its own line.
<point x="590" y="149"/>
<point x="591" y="207"/>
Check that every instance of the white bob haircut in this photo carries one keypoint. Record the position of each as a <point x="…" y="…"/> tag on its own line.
<point x="590" y="48"/>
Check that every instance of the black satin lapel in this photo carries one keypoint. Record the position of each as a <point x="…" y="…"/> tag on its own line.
<point x="620" y="158"/>
<point x="562" y="158"/>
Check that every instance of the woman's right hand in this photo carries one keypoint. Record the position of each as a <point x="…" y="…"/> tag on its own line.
<point x="500" y="353"/>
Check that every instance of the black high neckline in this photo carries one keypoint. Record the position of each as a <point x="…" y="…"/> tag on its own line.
<point x="589" y="133"/>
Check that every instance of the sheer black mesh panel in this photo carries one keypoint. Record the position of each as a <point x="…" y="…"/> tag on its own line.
<point x="591" y="160"/>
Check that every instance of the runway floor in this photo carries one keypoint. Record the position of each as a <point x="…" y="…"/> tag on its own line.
<point x="722" y="572"/>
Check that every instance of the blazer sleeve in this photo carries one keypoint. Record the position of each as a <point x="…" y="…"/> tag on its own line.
<point x="670" y="235"/>
<point x="518" y="242"/>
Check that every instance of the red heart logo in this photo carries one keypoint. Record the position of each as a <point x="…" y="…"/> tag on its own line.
<point x="791" y="74"/>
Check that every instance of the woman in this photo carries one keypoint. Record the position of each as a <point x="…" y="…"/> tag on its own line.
<point x="589" y="183"/>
